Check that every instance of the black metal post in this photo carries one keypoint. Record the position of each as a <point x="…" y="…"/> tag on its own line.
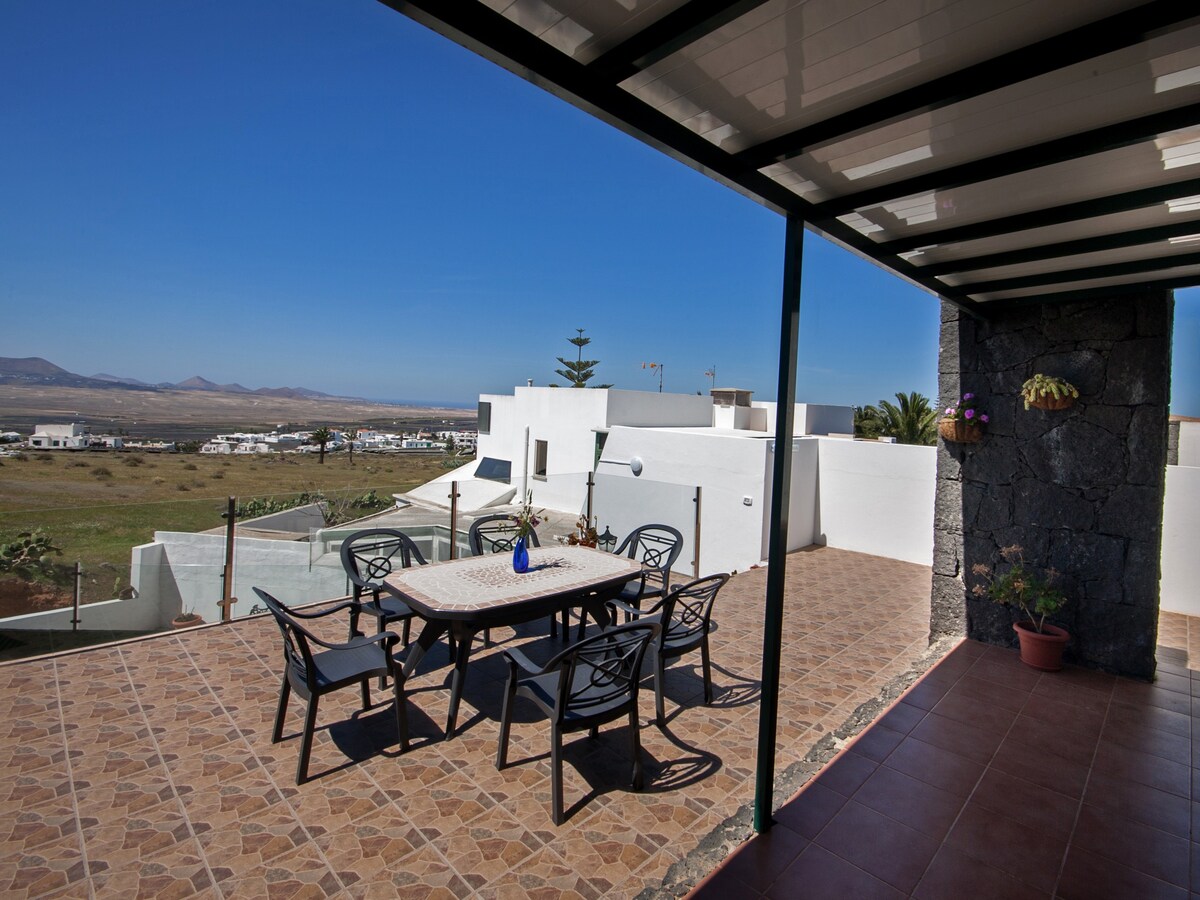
<point x="227" y="598"/>
<point x="781" y="483"/>
<point x="454" y="520"/>
<point x="591" y="486"/>
<point x="75" y="598"/>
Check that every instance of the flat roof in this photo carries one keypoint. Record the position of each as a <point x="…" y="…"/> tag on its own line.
<point x="990" y="151"/>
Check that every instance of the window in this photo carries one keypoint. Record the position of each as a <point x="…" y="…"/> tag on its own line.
<point x="485" y="417"/>
<point x="601" y="438"/>
<point x="539" y="459"/>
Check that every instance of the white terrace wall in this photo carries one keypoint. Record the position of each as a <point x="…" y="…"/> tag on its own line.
<point x="1181" y="540"/>
<point x="876" y="498"/>
<point x="184" y="571"/>
<point x="1189" y="444"/>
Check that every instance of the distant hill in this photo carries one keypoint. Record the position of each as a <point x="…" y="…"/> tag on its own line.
<point x="34" y="370"/>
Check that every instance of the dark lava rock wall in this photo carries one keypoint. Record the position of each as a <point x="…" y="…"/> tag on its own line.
<point x="1081" y="490"/>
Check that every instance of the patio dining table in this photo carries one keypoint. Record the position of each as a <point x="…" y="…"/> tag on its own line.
<point x="464" y="596"/>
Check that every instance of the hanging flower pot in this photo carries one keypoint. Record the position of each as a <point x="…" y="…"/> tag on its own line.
<point x="1049" y="392"/>
<point x="960" y="432"/>
<point x="963" y="423"/>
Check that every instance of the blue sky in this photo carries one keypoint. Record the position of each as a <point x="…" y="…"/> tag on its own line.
<point x="301" y="192"/>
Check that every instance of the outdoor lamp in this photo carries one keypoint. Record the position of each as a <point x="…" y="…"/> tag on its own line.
<point x="607" y="541"/>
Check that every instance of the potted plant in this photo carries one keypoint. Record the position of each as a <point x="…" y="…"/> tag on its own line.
<point x="1048" y="392"/>
<point x="584" y="534"/>
<point x="1019" y="585"/>
<point x="963" y="423"/>
<point x="188" y="618"/>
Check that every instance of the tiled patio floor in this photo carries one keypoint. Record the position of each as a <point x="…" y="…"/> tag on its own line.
<point x="991" y="780"/>
<point x="146" y="768"/>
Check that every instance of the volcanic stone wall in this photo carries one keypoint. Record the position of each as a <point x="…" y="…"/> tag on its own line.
<point x="1081" y="490"/>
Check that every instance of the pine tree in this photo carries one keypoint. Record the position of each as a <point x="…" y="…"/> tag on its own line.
<point x="579" y="372"/>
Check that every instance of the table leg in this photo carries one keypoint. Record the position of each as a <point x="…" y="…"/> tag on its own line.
<point x="464" y="634"/>
<point x="430" y="633"/>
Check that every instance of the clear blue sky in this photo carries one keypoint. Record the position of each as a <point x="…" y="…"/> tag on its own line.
<point x="303" y="192"/>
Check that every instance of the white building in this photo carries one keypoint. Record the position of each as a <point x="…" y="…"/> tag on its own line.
<point x="70" y="437"/>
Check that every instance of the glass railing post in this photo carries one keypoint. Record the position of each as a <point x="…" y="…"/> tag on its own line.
<point x="454" y="520"/>
<point x="696" y="541"/>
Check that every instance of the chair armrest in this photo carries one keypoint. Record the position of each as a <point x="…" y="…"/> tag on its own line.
<point x="634" y="611"/>
<point x="517" y="659"/>
<point x="337" y="607"/>
<point x="387" y="638"/>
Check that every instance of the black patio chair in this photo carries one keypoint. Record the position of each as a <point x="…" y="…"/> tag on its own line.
<point x="369" y="557"/>
<point x="589" y="684"/>
<point x="498" y="534"/>
<point x="656" y="547"/>
<point x="312" y="675"/>
<point x="685" y="615"/>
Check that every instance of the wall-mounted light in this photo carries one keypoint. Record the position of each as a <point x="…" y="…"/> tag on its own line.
<point x="635" y="464"/>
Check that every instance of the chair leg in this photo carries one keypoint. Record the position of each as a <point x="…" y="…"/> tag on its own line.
<point x="406" y="630"/>
<point x="635" y="747"/>
<point x="708" y="690"/>
<point x="660" y="714"/>
<point x="401" y="710"/>
<point x="510" y="693"/>
<point x="380" y="624"/>
<point x="366" y="692"/>
<point x="306" y="739"/>
<point x="553" y="625"/>
<point x="582" y="624"/>
<point x="556" y="779"/>
<point x="285" y="690"/>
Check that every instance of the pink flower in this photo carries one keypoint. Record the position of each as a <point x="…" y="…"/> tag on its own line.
<point x="969" y="414"/>
<point x="983" y="418"/>
<point x="949" y="410"/>
<point x="968" y="396"/>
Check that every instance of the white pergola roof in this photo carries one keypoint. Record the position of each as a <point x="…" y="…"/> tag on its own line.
<point x="989" y="150"/>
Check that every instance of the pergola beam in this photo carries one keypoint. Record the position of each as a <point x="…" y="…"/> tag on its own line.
<point x="1036" y="156"/>
<point x="1114" y="270"/>
<point x="1089" y="41"/>
<point x="1093" y="244"/>
<point x="672" y="32"/>
<point x="1041" y="218"/>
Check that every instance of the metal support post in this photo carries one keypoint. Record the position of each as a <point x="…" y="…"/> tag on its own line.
<point x="75" y="601"/>
<point x="227" y="598"/>
<point x="454" y="520"/>
<point x="789" y="331"/>
<point x="591" y="485"/>
<point x="696" y="546"/>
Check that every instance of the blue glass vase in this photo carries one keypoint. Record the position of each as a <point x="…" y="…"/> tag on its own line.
<point x="520" y="556"/>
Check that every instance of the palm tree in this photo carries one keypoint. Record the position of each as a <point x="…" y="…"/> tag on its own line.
<point x="322" y="436"/>
<point x="868" y="422"/>
<point x="351" y="436"/>
<point x="913" y="421"/>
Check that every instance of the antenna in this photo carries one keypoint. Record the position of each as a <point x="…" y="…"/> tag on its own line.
<point x="712" y="373"/>
<point x="659" y="367"/>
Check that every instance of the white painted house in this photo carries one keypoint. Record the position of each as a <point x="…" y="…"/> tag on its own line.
<point x="70" y="437"/>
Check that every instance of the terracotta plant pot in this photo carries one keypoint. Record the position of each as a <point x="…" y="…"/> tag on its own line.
<point x="1042" y="651"/>
<point x="187" y="622"/>
<point x="1052" y="403"/>
<point x="960" y="432"/>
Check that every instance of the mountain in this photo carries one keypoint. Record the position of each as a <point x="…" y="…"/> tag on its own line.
<point x="196" y="383"/>
<point x="33" y="370"/>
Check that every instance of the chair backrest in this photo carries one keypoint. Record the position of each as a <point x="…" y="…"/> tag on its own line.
<point x="656" y="547"/>
<point x="601" y="673"/>
<point x="297" y="656"/>
<point x="496" y="534"/>
<point x="370" y="556"/>
<point x="687" y="608"/>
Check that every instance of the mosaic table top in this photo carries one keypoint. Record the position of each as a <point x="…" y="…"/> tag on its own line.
<point x="482" y="583"/>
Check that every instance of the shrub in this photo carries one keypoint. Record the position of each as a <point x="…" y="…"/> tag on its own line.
<point x="78" y="464"/>
<point x="158" y="479"/>
<point x="44" y="457"/>
<point x="132" y="461"/>
<point x="217" y="476"/>
<point x="189" y="467"/>
<point x="102" y="472"/>
<point x="182" y="487"/>
<point x="29" y="555"/>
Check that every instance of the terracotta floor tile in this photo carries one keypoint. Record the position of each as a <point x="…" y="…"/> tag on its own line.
<point x="914" y="803"/>
<point x="1140" y="804"/>
<point x="953" y="874"/>
<point x="50" y="867"/>
<point x="762" y="859"/>
<point x="879" y="845"/>
<point x="1032" y="805"/>
<point x="965" y="740"/>
<point x="810" y="810"/>
<point x="1120" y="763"/>
<point x="818" y="873"/>
<point x="1156" y="853"/>
<point x="1003" y="843"/>
<point x="490" y="846"/>
<point x="935" y="766"/>
<point x="1088" y="876"/>
<point x="846" y="774"/>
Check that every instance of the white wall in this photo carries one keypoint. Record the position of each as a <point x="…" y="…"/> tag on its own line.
<point x="876" y="498"/>
<point x="189" y="575"/>
<point x="728" y="468"/>
<point x="812" y="418"/>
<point x="1181" y="541"/>
<point x="802" y="510"/>
<point x="1189" y="444"/>
<point x="661" y="410"/>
